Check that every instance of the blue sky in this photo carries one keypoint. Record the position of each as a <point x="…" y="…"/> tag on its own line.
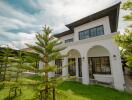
<point x="20" y="19"/>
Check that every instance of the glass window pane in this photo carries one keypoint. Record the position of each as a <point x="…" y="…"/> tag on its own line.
<point x="69" y="40"/>
<point x="58" y="63"/>
<point x="87" y="33"/>
<point x="100" y="65"/>
<point x="100" y="30"/>
<point x="96" y="31"/>
<point x="84" y="33"/>
<point x="93" y="32"/>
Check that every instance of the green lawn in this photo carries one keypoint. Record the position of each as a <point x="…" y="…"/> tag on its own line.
<point x="70" y="90"/>
<point x="92" y="92"/>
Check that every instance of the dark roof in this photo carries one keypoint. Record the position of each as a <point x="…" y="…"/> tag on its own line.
<point x="63" y="33"/>
<point x="112" y="12"/>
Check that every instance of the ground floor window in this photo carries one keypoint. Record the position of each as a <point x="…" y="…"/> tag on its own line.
<point x="37" y="64"/>
<point x="99" y="65"/>
<point x="72" y="66"/>
<point x="80" y="67"/>
<point x="58" y="62"/>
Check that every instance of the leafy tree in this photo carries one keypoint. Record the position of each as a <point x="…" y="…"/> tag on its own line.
<point x="125" y="40"/>
<point x="48" y="48"/>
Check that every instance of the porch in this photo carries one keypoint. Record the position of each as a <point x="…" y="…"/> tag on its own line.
<point x="97" y="61"/>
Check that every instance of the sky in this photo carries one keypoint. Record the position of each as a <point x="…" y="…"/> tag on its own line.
<point x="21" y="19"/>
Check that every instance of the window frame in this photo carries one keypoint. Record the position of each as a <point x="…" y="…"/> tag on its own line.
<point x="69" y="40"/>
<point x="92" y="32"/>
<point x="72" y="66"/>
<point x="94" y="68"/>
<point x="58" y="63"/>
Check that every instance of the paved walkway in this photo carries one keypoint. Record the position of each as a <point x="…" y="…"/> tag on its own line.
<point x="128" y="81"/>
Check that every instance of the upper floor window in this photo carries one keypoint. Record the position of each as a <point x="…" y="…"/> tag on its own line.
<point x="92" y="32"/>
<point x="69" y="40"/>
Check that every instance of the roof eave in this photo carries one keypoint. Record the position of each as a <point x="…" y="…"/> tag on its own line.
<point x="93" y="16"/>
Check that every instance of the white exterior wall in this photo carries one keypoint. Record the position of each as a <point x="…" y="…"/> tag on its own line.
<point x="51" y="74"/>
<point x="67" y="37"/>
<point x="106" y="41"/>
<point x="41" y="64"/>
<point x="83" y="47"/>
<point x="65" y="69"/>
<point x="103" y="21"/>
<point x="97" y="52"/>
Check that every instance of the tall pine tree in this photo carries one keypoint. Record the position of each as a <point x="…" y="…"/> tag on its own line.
<point x="48" y="48"/>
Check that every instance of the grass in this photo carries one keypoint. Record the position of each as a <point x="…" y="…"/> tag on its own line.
<point x="27" y="94"/>
<point x="92" y="92"/>
<point x="71" y="90"/>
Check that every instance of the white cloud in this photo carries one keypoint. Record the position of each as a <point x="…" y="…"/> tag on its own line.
<point x="73" y="10"/>
<point x="55" y="13"/>
<point x="20" y="39"/>
<point x="8" y="11"/>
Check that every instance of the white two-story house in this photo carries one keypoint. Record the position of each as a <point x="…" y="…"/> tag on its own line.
<point x="91" y="47"/>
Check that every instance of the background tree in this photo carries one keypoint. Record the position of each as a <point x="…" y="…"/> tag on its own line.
<point x="48" y="48"/>
<point x="125" y="40"/>
<point x="21" y="64"/>
<point x="5" y="54"/>
<point x="13" y="64"/>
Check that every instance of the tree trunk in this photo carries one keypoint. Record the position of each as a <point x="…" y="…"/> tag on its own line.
<point x="4" y="72"/>
<point x="53" y="93"/>
<point x="46" y="85"/>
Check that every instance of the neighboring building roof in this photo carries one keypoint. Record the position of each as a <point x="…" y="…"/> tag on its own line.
<point x="9" y="46"/>
<point x="27" y="49"/>
<point x="112" y="12"/>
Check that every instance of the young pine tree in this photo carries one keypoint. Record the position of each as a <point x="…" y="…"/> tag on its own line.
<point x="5" y="55"/>
<point x="48" y="48"/>
<point x="18" y="67"/>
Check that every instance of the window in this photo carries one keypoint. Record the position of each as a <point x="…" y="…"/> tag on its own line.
<point x="69" y="40"/>
<point x="96" y="31"/>
<point x="79" y="67"/>
<point x="93" y="32"/>
<point x="58" y="63"/>
<point x="72" y="66"/>
<point x="99" y="65"/>
<point x="100" y="30"/>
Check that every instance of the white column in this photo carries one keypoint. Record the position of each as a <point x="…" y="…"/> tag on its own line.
<point x="117" y="72"/>
<point x="85" y="73"/>
<point x="65" y="69"/>
<point x="41" y="64"/>
<point x="51" y="74"/>
<point x="77" y="68"/>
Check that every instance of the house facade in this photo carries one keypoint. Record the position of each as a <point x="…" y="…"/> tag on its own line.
<point x="92" y="49"/>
